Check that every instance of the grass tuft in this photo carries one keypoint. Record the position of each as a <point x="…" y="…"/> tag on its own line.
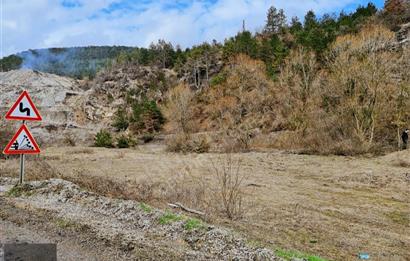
<point x="64" y="223"/>
<point x="168" y="218"/>
<point x="192" y="224"/>
<point x="290" y="254"/>
<point x="146" y="208"/>
<point x="20" y="190"/>
<point x="402" y="218"/>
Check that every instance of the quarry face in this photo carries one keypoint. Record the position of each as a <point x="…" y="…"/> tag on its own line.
<point x="66" y="109"/>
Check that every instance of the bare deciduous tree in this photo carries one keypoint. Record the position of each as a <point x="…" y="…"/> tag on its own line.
<point x="361" y="77"/>
<point x="299" y="79"/>
<point x="179" y="107"/>
<point x="230" y="186"/>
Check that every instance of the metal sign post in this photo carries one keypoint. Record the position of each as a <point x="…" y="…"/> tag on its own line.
<point x="22" y="158"/>
<point x="21" y="169"/>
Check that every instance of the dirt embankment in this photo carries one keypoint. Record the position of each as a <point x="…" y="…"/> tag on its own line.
<point x="129" y="229"/>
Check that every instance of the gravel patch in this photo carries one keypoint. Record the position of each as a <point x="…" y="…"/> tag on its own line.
<point x="131" y="226"/>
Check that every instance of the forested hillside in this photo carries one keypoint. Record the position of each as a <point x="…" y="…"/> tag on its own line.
<point x="330" y="84"/>
<point x="279" y="35"/>
<point x="334" y="84"/>
<point x="78" y="62"/>
<point x="272" y="45"/>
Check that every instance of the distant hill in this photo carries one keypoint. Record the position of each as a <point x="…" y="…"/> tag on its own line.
<point x="75" y="62"/>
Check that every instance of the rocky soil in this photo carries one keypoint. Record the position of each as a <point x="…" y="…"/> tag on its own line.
<point x="134" y="81"/>
<point x="131" y="229"/>
<point x="73" y="111"/>
<point x="62" y="103"/>
<point x="403" y="35"/>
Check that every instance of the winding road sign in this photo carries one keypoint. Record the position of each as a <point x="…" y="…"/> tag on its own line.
<point x="24" y="109"/>
<point x="22" y="143"/>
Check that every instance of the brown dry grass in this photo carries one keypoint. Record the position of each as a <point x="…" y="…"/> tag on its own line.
<point x="330" y="206"/>
<point x="186" y="143"/>
<point x="401" y="162"/>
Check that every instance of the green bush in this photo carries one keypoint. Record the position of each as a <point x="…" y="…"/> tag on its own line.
<point x="120" y="120"/>
<point x="218" y="79"/>
<point x="123" y="142"/>
<point x="103" y="139"/>
<point x="148" y="137"/>
<point x="147" y="117"/>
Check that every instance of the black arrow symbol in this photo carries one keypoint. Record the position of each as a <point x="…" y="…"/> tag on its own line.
<point x="24" y="110"/>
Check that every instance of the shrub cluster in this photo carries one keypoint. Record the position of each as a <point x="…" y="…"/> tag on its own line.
<point x="186" y="143"/>
<point x="103" y="139"/>
<point x="140" y="117"/>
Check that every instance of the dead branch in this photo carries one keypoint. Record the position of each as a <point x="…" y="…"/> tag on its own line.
<point x="193" y="211"/>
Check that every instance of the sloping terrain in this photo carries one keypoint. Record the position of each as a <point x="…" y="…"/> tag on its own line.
<point x="73" y="111"/>
<point x="60" y="100"/>
<point x="116" y="85"/>
<point x="138" y="230"/>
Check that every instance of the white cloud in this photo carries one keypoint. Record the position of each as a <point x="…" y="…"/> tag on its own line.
<point x="29" y="24"/>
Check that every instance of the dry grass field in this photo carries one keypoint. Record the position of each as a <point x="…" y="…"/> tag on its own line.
<point x="334" y="207"/>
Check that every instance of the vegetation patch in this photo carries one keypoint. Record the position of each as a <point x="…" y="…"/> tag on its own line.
<point x="64" y="223"/>
<point x="146" y="117"/>
<point x="20" y="190"/>
<point x="121" y="121"/>
<point x="186" y="143"/>
<point x="169" y="218"/>
<point x="193" y="223"/>
<point x="218" y="79"/>
<point x="402" y="218"/>
<point x="290" y="255"/>
<point x="146" y="208"/>
<point x="123" y="142"/>
<point x="103" y="139"/>
<point x="147" y="137"/>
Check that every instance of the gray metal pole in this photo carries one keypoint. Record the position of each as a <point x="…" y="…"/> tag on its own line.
<point x="21" y="168"/>
<point x="22" y="158"/>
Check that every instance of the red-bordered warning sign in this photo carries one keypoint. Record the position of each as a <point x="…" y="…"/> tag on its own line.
<point x="24" y="109"/>
<point x="22" y="143"/>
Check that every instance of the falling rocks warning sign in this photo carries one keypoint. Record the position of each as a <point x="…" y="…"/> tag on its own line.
<point x="22" y="143"/>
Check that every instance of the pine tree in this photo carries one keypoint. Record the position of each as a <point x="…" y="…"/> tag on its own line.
<point x="295" y="25"/>
<point x="164" y="53"/>
<point x="243" y="42"/>
<point x="276" y="21"/>
<point x="310" y="20"/>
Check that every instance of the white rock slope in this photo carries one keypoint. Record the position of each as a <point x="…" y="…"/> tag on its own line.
<point x="61" y="102"/>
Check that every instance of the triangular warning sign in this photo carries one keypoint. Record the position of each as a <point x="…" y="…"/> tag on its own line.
<point x="22" y="143"/>
<point x="23" y="109"/>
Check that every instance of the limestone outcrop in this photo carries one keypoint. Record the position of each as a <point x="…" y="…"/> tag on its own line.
<point x="63" y="105"/>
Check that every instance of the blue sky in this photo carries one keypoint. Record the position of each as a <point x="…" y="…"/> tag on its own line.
<point x="30" y="24"/>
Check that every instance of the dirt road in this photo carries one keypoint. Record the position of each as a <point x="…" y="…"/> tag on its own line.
<point x="22" y="226"/>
